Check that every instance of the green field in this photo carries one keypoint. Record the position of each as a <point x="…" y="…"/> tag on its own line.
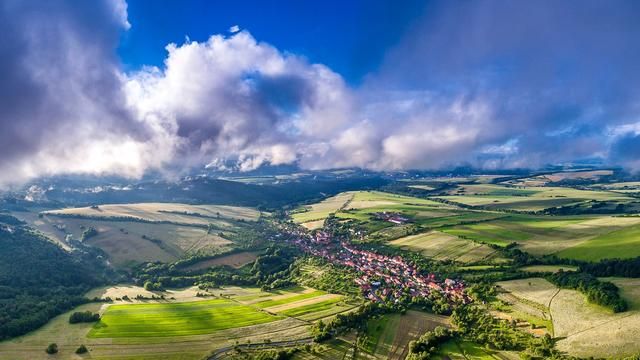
<point x="442" y="246"/>
<point x="549" y="268"/>
<point x="176" y="319"/>
<point x="557" y="235"/>
<point x="466" y="350"/>
<point x="275" y="302"/>
<point x="527" y="198"/>
<point x="380" y="334"/>
<point x="312" y="308"/>
<point x="623" y="244"/>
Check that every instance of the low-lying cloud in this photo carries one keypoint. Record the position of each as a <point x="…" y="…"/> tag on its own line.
<point x="492" y="84"/>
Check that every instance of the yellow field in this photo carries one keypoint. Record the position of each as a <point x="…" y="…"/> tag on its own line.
<point x="319" y="211"/>
<point x="442" y="246"/>
<point x="129" y="242"/>
<point x="171" y="212"/>
<point x="135" y="233"/>
<point x="585" y="329"/>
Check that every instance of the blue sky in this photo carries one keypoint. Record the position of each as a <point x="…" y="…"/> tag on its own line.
<point x="351" y="37"/>
<point x="91" y="87"/>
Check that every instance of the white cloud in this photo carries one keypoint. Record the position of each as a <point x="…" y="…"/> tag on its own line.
<point x="234" y="29"/>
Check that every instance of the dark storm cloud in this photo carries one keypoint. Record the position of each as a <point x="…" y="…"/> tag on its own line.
<point x="60" y="81"/>
<point x="543" y="67"/>
<point x="488" y="83"/>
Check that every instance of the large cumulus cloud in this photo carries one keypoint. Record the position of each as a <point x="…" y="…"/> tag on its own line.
<point x="61" y="100"/>
<point x="233" y="98"/>
<point x="488" y="83"/>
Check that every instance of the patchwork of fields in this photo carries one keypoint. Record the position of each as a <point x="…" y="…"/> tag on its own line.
<point x="189" y="327"/>
<point x="388" y="336"/>
<point x="169" y="212"/>
<point x="442" y="246"/>
<point x="134" y="233"/>
<point x="577" y="237"/>
<point x="533" y="198"/>
<point x="314" y="215"/>
<point x="176" y="319"/>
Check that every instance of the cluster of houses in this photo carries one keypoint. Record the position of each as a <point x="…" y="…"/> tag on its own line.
<point x="381" y="278"/>
<point x="392" y="217"/>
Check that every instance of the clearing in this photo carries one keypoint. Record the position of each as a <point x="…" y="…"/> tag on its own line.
<point x="235" y="260"/>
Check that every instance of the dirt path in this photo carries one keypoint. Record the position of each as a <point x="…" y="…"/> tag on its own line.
<point x="219" y="354"/>
<point x="550" y="314"/>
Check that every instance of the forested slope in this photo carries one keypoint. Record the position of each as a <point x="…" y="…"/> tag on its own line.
<point x="38" y="280"/>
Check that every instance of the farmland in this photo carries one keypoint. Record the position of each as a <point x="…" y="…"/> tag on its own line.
<point x="442" y="246"/>
<point x="235" y="260"/>
<point x="549" y="235"/>
<point x="175" y="319"/>
<point x="585" y="329"/>
<point x="465" y="350"/>
<point x="162" y="212"/>
<point x="388" y="337"/>
<point x="318" y="212"/>
<point x="389" y="248"/>
<point x="623" y="243"/>
<point x="527" y="198"/>
<point x="133" y="233"/>
<point x="189" y="325"/>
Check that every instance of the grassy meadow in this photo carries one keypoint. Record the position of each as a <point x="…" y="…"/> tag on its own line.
<point x="134" y="233"/>
<point x="442" y="246"/>
<point x="176" y="319"/>
<point x="189" y="327"/>
<point x="527" y="198"/>
<point x="584" y="329"/>
<point x="169" y="212"/>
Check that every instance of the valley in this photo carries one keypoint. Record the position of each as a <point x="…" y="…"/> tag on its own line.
<point x="362" y="274"/>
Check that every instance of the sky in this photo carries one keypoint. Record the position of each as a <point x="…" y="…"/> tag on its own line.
<point x="111" y="87"/>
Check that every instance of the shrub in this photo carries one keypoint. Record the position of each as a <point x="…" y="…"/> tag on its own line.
<point x="82" y="350"/>
<point x="83" y="317"/>
<point x="52" y="349"/>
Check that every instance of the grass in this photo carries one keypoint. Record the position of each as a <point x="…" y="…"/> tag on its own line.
<point x="466" y="350"/>
<point x="623" y="243"/>
<point x="322" y="209"/>
<point x="128" y="243"/>
<point x="527" y="198"/>
<point x="380" y="334"/>
<point x="171" y="212"/>
<point x="442" y="246"/>
<point x="568" y="236"/>
<point x="235" y="260"/>
<point x="185" y="347"/>
<point x="275" y="302"/>
<point x="176" y="319"/>
<point x="549" y="268"/>
<point x="312" y="308"/>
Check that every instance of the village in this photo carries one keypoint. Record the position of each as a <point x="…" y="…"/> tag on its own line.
<point x="381" y="278"/>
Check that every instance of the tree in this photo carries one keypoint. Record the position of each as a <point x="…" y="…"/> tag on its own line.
<point x="52" y="349"/>
<point x="83" y="316"/>
<point x="82" y="350"/>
